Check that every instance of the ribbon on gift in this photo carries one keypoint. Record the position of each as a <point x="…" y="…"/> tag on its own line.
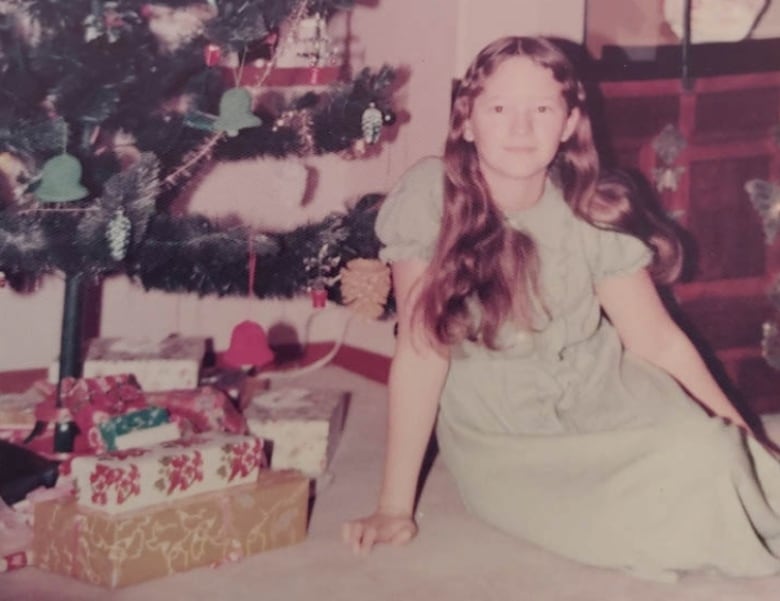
<point x="78" y="524"/>
<point x="230" y="533"/>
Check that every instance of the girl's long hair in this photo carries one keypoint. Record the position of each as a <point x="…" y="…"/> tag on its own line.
<point x="478" y="258"/>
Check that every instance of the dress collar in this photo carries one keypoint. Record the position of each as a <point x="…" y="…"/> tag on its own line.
<point x="546" y="219"/>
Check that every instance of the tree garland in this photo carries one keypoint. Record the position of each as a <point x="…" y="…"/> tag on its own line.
<point x="194" y="254"/>
<point x="99" y="85"/>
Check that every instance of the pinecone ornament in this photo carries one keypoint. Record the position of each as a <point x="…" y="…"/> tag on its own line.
<point x="365" y="284"/>
<point x="371" y="123"/>
<point x="118" y="235"/>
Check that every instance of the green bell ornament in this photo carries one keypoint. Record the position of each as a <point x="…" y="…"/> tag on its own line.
<point x="61" y="180"/>
<point x="235" y="112"/>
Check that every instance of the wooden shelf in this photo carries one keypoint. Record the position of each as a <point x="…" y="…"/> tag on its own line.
<point x="728" y="122"/>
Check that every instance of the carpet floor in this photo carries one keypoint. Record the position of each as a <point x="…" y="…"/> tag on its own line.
<point x="454" y="558"/>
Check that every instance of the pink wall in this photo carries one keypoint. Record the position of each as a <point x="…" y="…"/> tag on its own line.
<point x="429" y="37"/>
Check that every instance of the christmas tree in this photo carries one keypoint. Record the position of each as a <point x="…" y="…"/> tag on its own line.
<point x="765" y="197"/>
<point x="108" y="108"/>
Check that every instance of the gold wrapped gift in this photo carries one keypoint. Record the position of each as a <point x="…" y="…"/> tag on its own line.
<point x="116" y="551"/>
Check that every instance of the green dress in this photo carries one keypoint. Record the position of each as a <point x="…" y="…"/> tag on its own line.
<point x="569" y="441"/>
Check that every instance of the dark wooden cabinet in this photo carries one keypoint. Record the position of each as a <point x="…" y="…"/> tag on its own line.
<point x="729" y="124"/>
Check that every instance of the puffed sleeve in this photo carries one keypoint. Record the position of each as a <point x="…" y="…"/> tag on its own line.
<point x="613" y="254"/>
<point x="408" y="221"/>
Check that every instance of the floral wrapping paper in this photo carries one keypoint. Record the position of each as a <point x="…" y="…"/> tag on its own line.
<point x="93" y="401"/>
<point x="302" y="426"/>
<point x="141" y="419"/>
<point x="90" y="402"/>
<point x="205" y="408"/>
<point x="121" y="481"/>
<point x="116" y="551"/>
<point x="168" y="364"/>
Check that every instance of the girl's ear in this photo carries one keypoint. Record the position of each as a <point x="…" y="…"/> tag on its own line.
<point x="468" y="131"/>
<point x="571" y="124"/>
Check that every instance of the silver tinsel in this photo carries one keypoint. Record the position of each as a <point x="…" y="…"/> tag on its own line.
<point x="118" y="235"/>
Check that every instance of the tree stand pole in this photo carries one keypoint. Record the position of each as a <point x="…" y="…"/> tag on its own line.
<point x="70" y="340"/>
<point x="65" y="428"/>
<point x="70" y="357"/>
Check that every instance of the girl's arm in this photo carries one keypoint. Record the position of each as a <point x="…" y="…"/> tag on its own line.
<point x="644" y="325"/>
<point x="417" y="375"/>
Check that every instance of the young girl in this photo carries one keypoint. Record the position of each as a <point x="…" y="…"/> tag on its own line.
<point x="530" y="323"/>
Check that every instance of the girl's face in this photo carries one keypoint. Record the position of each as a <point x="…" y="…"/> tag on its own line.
<point x="518" y="122"/>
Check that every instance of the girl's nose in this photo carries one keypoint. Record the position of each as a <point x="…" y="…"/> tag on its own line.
<point x="521" y="122"/>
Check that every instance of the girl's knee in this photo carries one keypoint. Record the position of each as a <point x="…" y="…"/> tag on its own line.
<point x="710" y="444"/>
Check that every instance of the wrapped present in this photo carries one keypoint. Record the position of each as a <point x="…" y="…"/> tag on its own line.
<point x="16" y="560"/>
<point x="90" y="402"/>
<point x="17" y="413"/>
<point x="116" y="551"/>
<point x="206" y="408"/>
<point x="171" y="363"/>
<point x="120" y="481"/>
<point x="140" y="419"/>
<point x="17" y="409"/>
<point x="302" y="426"/>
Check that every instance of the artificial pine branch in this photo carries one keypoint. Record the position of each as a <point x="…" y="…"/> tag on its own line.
<point x="194" y="254"/>
<point x="99" y="81"/>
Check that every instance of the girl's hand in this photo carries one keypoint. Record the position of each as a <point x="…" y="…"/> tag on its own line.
<point x="364" y="533"/>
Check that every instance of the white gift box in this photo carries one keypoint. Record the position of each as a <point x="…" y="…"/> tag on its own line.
<point x="168" y="364"/>
<point x="301" y="428"/>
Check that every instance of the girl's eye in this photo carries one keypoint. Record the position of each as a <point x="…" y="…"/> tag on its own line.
<point x="543" y="108"/>
<point x="498" y="108"/>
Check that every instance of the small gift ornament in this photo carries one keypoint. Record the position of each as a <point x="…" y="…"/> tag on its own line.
<point x="319" y="296"/>
<point x="365" y="284"/>
<point x="323" y="271"/>
<point x="212" y="54"/>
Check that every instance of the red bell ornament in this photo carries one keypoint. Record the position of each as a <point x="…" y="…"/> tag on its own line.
<point x="248" y="347"/>
<point x="212" y="54"/>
